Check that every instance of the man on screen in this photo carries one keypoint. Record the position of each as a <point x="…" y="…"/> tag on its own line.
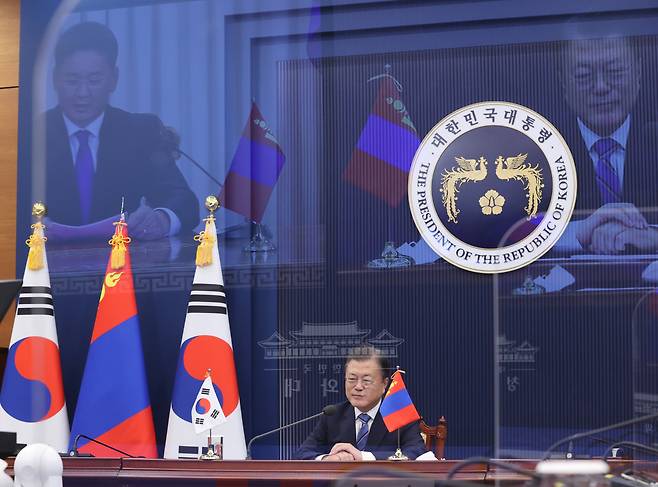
<point x="97" y="153"/>
<point x="356" y="431"/>
<point x="614" y="145"/>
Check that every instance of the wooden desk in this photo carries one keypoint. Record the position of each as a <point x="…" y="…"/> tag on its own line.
<point x="116" y="472"/>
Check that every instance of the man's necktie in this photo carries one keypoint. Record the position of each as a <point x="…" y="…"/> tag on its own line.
<point x="606" y="176"/>
<point x="84" y="168"/>
<point x="362" y="437"/>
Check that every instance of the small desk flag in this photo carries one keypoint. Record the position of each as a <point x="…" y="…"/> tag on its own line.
<point x="254" y="170"/>
<point x="397" y="409"/>
<point x="383" y="154"/>
<point x="207" y="411"/>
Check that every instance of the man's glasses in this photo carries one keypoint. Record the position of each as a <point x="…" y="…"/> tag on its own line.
<point x="365" y="381"/>
<point x="612" y="76"/>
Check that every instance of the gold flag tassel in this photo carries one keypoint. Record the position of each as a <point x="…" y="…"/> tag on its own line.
<point x="205" y="238"/>
<point x="206" y="242"/>
<point x="118" y="243"/>
<point x="36" y="242"/>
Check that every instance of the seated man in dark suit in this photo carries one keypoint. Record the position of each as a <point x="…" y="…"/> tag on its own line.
<point x="614" y="145"/>
<point x="95" y="153"/>
<point x="356" y="431"/>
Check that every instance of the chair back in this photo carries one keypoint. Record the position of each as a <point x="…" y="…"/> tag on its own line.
<point x="435" y="437"/>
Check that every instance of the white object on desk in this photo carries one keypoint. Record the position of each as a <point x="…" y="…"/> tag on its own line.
<point x="572" y="467"/>
<point x="428" y="456"/>
<point x="650" y="274"/>
<point x="38" y="465"/>
<point x="5" y="480"/>
<point x="557" y="279"/>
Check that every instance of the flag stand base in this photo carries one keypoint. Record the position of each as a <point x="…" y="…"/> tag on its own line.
<point x="259" y="242"/>
<point x="215" y="451"/>
<point x="210" y="455"/>
<point x="391" y="259"/>
<point x="398" y="455"/>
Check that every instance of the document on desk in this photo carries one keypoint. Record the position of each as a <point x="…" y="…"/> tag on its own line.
<point x="419" y="251"/>
<point x="556" y="280"/>
<point x="650" y="274"/>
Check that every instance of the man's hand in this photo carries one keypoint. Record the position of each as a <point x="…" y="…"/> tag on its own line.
<point x="605" y="238"/>
<point x="641" y="240"/>
<point x="341" y="456"/>
<point x="145" y="223"/>
<point x="345" y="452"/>
<point x="624" y="213"/>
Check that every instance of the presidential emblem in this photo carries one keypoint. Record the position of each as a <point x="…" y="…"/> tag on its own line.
<point x="492" y="187"/>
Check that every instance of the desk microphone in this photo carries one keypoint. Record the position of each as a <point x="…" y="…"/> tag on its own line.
<point x="604" y="441"/>
<point x="75" y="453"/>
<point x="329" y="410"/>
<point x="171" y="144"/>
<point x="593" y="432"/>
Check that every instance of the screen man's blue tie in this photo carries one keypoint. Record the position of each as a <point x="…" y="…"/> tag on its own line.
<point x="362" y="437"/>
<point x="84" y="169"/>
<point x="606" y="175"/>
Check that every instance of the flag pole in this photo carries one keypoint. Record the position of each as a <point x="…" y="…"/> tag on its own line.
<point x="398" y="455"/>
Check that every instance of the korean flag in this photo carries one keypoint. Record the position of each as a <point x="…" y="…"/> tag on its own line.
<point x="207" y="411"/>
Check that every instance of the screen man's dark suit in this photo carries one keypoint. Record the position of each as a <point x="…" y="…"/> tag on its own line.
<point x="340" y="428"/>
<point x="132" y="161"/>
<point x="640" y="168"/>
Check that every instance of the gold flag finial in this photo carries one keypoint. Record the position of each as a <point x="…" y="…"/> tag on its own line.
<point x="39" y="209"/>
<point x="212" y="203"/>
<point x="118" y="243"/>
<point x="36" y="242"/>
<point x="205" y="237"/>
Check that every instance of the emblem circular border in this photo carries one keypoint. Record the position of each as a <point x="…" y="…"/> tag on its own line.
<point x="558" y="213"/>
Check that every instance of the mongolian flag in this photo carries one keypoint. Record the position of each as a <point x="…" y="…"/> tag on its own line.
<point x="397" y="409"/>
<point x="113" y="404"/>
<point x="254" y="170"/>
<point x="32" y="397"/>
<point x="206" y="344"/>
<point x="383" y="155"/>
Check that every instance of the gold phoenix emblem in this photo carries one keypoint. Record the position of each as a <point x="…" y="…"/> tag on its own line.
<point x="513" y="168"/>
<point x="451" y="180"/>
<point x="471" y="170"/>
<point x="492" y="202"/>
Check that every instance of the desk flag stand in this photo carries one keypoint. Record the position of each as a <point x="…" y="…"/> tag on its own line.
<point x="398" y="455"/>
<point x="211" y="453"/>
<point x="397" y="410"/>
<point x="259" y="242"/>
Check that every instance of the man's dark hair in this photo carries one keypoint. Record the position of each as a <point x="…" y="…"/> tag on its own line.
<point x="360" y="354"/>
<point x="87" y="36"/>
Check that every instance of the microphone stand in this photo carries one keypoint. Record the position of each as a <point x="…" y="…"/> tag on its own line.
<point x="74" y="451"/>
<point x="260" y="241"/>
<point x="590" y="433"/>
<point x="257" y="437"/>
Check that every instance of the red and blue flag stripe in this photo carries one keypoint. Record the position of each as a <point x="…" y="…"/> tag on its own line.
<point x="113" y="404"/>
<point x="397" y="409"/>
